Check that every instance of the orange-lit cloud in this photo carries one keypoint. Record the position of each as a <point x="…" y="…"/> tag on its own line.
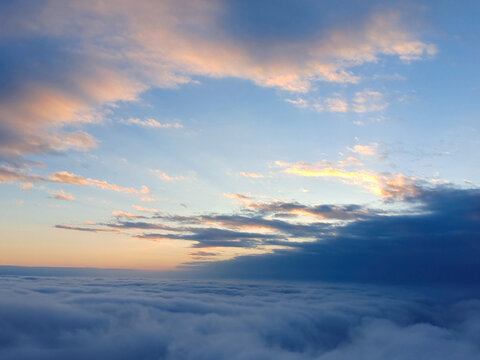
<point x="27" y="186"/>
<point x="251" y="175"/>
<point x="162" y="175"/>
<point x="88" y="229"/>
<point x="120" y="213"/>
<point x="243" y="199"/>
<point x="367" y="150"/>
<point x="120" y="53"/>
<point x="364" y="101"/>
<point x="385" y="185"/>
<point x="62" y="195"/>
<point x="8" y="174"/>
<point x="69" y="178"/>
<point x="144" y="209"/>
<point x="152" y="123"/>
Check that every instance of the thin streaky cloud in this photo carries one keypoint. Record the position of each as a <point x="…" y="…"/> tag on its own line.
<point x="384" y="185"/>
<point x="145" y="209"/>
<point x="152" y="123"/>
<point x="251" y="175"/>
<point x="367" y="150"/>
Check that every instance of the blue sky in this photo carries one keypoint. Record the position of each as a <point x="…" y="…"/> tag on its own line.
<point x="130" y="131"/>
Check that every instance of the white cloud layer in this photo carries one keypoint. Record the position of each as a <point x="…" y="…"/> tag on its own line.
<point x="138" y="318"/>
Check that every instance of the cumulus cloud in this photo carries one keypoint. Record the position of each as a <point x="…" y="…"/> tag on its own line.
<point x="118" y="317"/>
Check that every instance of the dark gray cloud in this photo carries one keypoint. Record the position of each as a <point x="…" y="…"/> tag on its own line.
<point x="435" y="239"/>
<point x="438" y="243"/>
<point x="212" y="237"/>
<point x="96" y="317"/>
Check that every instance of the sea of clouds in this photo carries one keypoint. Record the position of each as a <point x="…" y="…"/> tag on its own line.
<point x="89" y="317"/>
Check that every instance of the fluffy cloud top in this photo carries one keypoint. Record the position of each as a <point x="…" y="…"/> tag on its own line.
<point x="99" y="317"/>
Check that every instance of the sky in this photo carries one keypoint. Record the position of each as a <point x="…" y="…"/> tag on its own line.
<point x="293" y="139"/>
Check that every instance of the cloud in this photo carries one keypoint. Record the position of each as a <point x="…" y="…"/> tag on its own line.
<point x="27" y="186"/>
<point x="251" y="175"/>
<point x="65" y="63"/>
<point x="87" y="229"/>
<point x="364" y="101"/>
<point x="435" y="241"/>
<point x="368" y="101"/>
<point x="125" y="214"/>
<point x="388" y="186"/>
<point x="62" y="195"/>
<point x="47" y="88"/>
<point x="203" y="253"/>
<point x="215" y="237"/>
<point x="162" y="175"/>
<point x="433" y="237"/>
<point x="144" y="209"/>
<point x="111" y="316"/>
<point x="152" y="123"/>
<point x="10" y="174"/>
<point x="367" y="150"/>
<point x="333" y="105"/>
<point x="65" y="177"/>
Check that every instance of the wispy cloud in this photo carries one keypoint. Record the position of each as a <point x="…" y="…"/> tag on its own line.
<point x="87" y="229"/>
<point x="27" y="186"/>
<point x="152" y="123"/>
<point x="368" y="101"/>
<point x="148" y="199"/>
<point x="162" y="175"/>
<point x="125" y="214"/>
<point x="366" y="150"/>
<point x="251" y="175"/>
<point x="9" y="174"/>
<point x="364" y="101"/>
<point x="62" y="195"/>
<point x="382" y="184"/>
<point x="144" y="209"/>
<point x="65" y="177"/>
